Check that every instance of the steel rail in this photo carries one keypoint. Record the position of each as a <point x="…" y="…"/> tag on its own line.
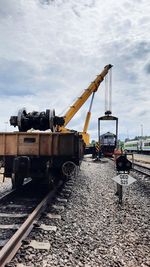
<point x="137" y="170"/>
<point x="142" y="172"/>
<point x="141" y="166"/>
<point x="9" y="194"/>
<point x="15" y="242"/>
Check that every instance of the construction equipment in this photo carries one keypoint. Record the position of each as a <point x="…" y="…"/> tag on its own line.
<point x="85" y="135"/>
<point x="108" y="141"/>
<point x="48" y="120"/>
<point x="93" y="87"/>
<point x="44" y="156"/>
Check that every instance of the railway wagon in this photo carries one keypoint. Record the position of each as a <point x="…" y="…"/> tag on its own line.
<point x="140" y="146"/>
<point x="132" y="146"/>
<point x="146" y="146"/>
<point x="40" y="156"/>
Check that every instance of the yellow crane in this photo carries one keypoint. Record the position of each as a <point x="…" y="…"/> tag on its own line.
<point x="47" y="120"/>
<point x="93" y="87"/>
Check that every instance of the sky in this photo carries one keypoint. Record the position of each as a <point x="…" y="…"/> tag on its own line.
<point x="51" y="50"/>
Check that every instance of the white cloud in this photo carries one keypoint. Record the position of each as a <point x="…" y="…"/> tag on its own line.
<point x="51" y="50"/>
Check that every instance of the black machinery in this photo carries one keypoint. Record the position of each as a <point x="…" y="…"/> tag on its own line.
<point x="107" y="141"/>
<point x="37" y="120"/>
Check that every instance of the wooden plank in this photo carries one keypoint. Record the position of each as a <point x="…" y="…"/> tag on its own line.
<point x="45" y="144"/>
<point x="2" y="144"/>
<point x="11" y="145"/>
<point x="28" y="144"/>
<point x="17" y="138"/>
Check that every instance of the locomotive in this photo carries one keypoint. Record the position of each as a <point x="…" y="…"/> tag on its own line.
<point x="107" y="141"/>
<point x="107" y="144"/>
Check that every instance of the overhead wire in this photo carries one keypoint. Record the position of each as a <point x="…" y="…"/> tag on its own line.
<point x="106" y="93"/>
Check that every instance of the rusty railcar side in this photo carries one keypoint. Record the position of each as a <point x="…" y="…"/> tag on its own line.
<point x="38" y="154"/>
<point x="39" y="144"/>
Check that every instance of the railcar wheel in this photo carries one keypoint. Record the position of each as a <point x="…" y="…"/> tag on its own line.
<point x="17" y="181"/>
<point x="69" y="169"/>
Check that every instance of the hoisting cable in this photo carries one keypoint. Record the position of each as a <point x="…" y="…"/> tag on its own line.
<point x="91" y="103"/>
<point x="110" y="90"/>
<point x="108" y="93"/>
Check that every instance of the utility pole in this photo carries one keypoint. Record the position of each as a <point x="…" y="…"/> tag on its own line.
<point x="127" y="133"/>
<point x="142" y="130"/>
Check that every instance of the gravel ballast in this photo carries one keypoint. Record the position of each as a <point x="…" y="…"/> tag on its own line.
<point x="94" y="229"/>
<point x="5" y="186"/>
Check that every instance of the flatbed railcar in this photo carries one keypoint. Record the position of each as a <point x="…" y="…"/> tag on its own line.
<point x="39" y="155"/>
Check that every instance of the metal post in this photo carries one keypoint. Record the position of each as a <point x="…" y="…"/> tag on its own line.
<point x="142" y="130"/>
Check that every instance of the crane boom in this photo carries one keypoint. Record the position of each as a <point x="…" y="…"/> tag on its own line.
<point x="47" y="120"/>
<point x="88" y="116"/>
<point x="82" y="99"/>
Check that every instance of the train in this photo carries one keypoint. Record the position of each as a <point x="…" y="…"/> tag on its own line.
<point x="107" y="144"/>
<point x="105" y="148"/>
<point x="140" y="146"/>
<point x="42" y="156"/>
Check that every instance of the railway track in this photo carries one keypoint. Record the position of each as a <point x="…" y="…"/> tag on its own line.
<point x="141" y="169"/>
<point x="18" y="214"/>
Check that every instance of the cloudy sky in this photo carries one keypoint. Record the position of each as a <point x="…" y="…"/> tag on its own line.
<point x="50" y="51"/>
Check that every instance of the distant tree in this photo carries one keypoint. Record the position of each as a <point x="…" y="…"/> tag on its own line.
<point x="120" y="144"/>
<point x="139" y="137"/>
